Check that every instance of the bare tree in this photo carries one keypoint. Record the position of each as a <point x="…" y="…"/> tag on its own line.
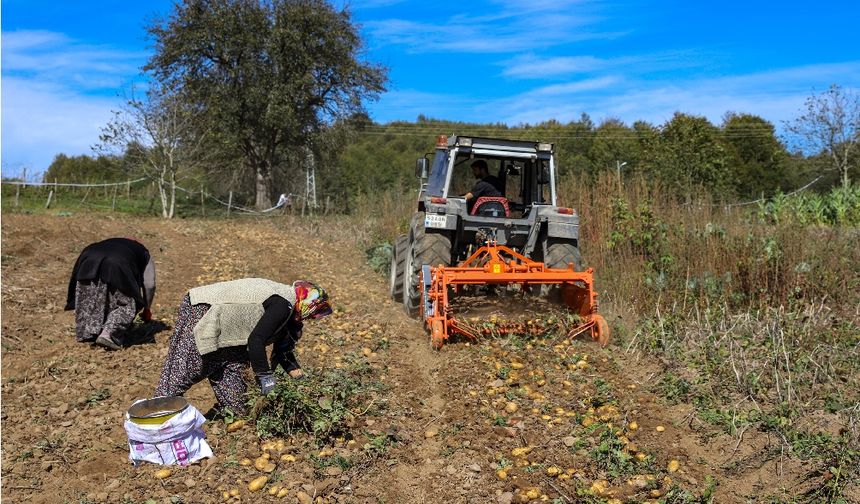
<point x="159" y="133"/>
<point x="830" y="124"/>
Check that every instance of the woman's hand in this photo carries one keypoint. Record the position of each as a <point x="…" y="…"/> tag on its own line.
<point x="298" y="374"/>
<point x="267" y="383"/>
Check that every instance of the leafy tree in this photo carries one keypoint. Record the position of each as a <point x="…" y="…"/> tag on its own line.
<point x="647" y="140"/>
<point x="267" y="75"/>
<point x="83" y="169"/>
<point x="690" y="154"/>
<point x="614" y="144"/>
<point x="831" y="124"/>
<point x="757" y="158"/>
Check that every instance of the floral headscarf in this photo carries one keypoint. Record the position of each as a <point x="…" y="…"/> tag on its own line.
<point x="311" y="300"/>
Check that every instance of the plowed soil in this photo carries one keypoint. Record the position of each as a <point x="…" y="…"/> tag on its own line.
<point x="583" y="416"/>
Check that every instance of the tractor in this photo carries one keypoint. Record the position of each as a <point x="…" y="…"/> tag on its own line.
<point x="521" y="237"/>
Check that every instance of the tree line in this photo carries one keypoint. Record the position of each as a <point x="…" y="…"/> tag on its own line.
<point x="242" y="93"/>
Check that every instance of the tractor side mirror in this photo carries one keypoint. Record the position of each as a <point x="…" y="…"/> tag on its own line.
<point x="422" y="168"/>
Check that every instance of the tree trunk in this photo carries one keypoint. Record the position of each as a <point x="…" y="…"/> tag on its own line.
<point x="263" y="187"/>
<point x="162" y="194"/>
<point x="172" y="195"/>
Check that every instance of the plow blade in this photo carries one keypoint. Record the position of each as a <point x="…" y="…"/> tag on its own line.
<point x="494" y="264"/>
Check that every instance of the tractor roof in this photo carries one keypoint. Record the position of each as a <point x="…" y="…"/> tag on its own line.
<point x="492" y="146"/>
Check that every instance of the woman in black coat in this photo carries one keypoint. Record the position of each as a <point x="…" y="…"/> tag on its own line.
<point x="111" y="282"/>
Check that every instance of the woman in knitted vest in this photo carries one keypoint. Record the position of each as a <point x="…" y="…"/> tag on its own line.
<point x="223" y="326"/>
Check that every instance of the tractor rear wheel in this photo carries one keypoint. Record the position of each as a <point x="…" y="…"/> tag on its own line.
<point x="558" y="254"/>
<point x="424" y="248"/>
<point x="398" y="264"/>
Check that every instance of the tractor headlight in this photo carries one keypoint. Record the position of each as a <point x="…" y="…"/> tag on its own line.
<point x="465" y="142"/>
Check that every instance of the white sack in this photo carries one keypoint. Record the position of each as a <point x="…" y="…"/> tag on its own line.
<point x="179" y="440"/>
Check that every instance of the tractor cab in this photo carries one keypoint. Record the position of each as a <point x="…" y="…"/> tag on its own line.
<point x="519" y="207"/>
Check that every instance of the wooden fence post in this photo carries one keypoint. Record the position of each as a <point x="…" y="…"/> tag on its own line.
<point x="50" y="195"/>
<point x="202" y="203"/>
<point x="113" y="203"/>
<point x="85" y="195"/>
<point x="18" y="187"/>
<point x="229" y="202"/>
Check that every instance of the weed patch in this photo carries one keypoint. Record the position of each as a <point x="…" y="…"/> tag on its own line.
<point x="322" y="405"/>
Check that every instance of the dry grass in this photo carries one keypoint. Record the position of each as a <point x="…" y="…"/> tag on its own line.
<point x="755" y="320"/>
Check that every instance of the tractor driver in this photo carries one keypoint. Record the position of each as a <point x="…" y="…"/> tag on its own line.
<point x="486" y="186"/>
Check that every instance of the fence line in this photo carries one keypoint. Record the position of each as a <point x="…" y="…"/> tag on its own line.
<point x="792" y="193"/>
<point x="68" y="184"/>
<point x="281" y="201"/>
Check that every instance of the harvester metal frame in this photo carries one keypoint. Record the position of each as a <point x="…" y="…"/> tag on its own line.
<point x="494" y="264"/>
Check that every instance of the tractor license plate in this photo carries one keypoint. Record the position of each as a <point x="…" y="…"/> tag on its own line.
<point x="436" y="221"/>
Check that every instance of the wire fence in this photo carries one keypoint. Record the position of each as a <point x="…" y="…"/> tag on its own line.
<point x="286" y="201"/>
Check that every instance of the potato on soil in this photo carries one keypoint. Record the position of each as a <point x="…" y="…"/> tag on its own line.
<point x="162" y="473"/>
<point x="233" y="427"/>
<point x="257" y="483"/>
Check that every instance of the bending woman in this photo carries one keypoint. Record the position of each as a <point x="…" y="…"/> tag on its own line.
<point x="112" y="280"/>
<point x="223" y="326"/>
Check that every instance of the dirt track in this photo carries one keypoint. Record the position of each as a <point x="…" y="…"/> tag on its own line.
<point x="63" y="402"/>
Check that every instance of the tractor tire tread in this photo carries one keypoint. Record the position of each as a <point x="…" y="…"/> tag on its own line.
<point x="401" y="244"/>
<point x="430" y="248"/>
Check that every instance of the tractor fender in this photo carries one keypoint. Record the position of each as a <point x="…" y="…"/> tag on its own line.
<point x="566" y="230"/>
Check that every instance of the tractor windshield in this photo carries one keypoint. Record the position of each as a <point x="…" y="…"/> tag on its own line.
<point x="523" y="182"/>
<point x="438" y="173"/>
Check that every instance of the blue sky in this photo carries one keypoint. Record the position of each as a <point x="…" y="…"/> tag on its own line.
<point x="64" y="63"/>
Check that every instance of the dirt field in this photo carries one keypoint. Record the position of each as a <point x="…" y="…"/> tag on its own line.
<point x="589" y="427"/>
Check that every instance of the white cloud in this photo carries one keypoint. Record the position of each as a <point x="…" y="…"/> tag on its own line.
<point x="52" y="57"/>
<point x="514" y="27"/>
<point x="534" y="66"/>
<point x="57" y="93"/>
<point x="41" y="120"/>
<point x="775" y="95"/>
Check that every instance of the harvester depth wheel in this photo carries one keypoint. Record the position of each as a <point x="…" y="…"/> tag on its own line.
<point x="425" y="248"/>
<point x="398" y="265"/>
<point x="600" y="330"/>
<point x="437" y="335"/>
